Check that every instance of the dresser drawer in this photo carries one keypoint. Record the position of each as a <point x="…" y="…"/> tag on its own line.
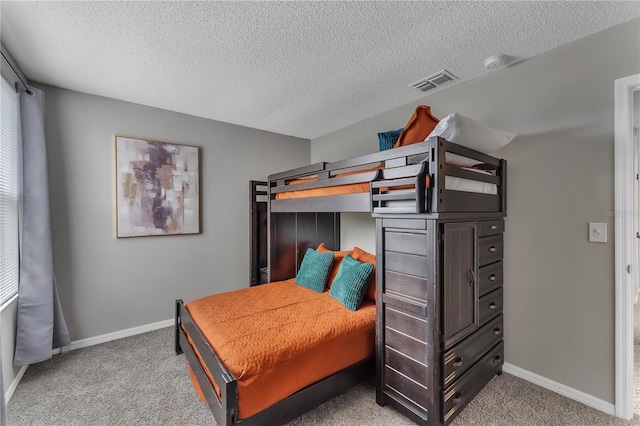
<point x="409" y="264"/>
<point x="491" y="227"/>
<point x="406" y="285"/>
<point x="458" y="395"/>
<point x="406" y="387"/>
<point x="404" y="242"/>
<point x="406" y="345"/>
<point x="490" y="306"/>
<point x="461" y="357"/>
<point x="409" y="325"/>
<point x="490" y="250"/>
<point x="409" y="367"/>
<point x="490" y="277"/>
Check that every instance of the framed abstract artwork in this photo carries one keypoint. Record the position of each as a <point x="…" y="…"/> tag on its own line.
<point x="157" y="188"/>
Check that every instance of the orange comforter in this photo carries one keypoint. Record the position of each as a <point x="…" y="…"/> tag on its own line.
<point x="279" y="338"/>
<point x="352" y="188"/>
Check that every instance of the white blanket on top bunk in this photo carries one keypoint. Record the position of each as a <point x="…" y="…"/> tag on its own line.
<point x="460" y="184"/>
<point x="468" y="132"/>
<point x="467" y="185"/>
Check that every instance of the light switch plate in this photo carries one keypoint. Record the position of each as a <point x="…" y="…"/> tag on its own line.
<point x="597" y="232"/>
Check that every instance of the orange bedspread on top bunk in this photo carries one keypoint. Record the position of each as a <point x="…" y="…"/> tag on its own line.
<point x="352" y="188"/>
<point x="279" y="338"/>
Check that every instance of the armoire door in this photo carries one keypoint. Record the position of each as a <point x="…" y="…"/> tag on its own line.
<point x="460" y="287"/>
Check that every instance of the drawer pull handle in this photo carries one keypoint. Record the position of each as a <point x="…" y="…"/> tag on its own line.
<point x="496" y="331"/>
<point x="493" y="249"/>
<point x="496" y="359"/>
<point x="492" y="277"/>
<point x="493" y="227"/>
<point x="457" y="362"/>
<point x="492" y="306"/>
<point x="457" y="397"/>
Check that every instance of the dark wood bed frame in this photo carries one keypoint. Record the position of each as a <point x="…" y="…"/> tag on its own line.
<point x="258" y="234"/>
<point x="295" y="224"/>
<point x="225" y="409"/>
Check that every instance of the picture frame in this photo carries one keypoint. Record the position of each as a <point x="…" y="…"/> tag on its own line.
<point x="157" y="188"/>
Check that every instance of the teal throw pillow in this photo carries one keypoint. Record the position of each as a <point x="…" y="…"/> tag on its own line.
<point x="314" y="270"/>
<point x="386" y="140"/>
<point x="351" y="282"/>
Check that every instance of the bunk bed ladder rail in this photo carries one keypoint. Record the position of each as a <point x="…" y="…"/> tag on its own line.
<point x="400" y="200"/>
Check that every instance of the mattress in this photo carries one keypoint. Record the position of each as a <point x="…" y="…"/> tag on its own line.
<point x="453" y="183"/>
<point x="450" y="182"/>
<point x="279" y="338"/>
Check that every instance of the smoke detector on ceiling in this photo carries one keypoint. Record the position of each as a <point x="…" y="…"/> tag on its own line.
<point x="433" y="81"/>
<point x="496" y="61"/>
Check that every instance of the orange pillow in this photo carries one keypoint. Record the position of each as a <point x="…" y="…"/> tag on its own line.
<point x="337" y="260"/>
<point x="363" y="256"/>
<point x="418" y="128"/>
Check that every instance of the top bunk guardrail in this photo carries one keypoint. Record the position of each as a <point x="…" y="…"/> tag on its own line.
<point x="420" y="178"/>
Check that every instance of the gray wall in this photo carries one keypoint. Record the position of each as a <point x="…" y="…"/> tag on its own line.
<point x="108" y="284"/>
<point x="636" y="109"/>
<point x="559" y="288"/>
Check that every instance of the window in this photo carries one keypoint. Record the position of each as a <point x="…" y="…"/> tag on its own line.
<point x="9" y="192"/>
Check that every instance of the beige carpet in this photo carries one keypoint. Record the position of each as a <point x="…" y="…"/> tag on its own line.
<point x="140" y="381"/>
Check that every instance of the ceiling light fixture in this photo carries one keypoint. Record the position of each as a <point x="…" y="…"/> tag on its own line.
<point x="496" y="61"/>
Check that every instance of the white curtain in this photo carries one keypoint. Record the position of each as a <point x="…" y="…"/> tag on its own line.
<point x="3" y="405"/>
<point x="636" y="216"/>
<point x="40" y="323"/>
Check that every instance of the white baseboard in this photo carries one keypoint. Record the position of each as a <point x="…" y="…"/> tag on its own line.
<point x="14" y="384"/>
<point x="103" y="338"/>
<point x="564" y="390"/>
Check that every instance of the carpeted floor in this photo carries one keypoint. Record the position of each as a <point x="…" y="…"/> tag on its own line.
<point x="139" y="381"/>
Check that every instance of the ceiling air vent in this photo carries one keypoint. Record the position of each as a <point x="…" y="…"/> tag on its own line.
<point x="433" y="81"/>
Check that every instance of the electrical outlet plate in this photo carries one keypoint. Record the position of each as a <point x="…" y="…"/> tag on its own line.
<point x="597" y="232"/>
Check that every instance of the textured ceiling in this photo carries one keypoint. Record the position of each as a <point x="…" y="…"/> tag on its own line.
<point x="297" y="68"/>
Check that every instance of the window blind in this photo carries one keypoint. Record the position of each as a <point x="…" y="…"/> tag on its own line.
<point x="9" y="192"/>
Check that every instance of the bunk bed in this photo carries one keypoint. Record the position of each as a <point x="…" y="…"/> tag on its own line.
<point x="423" y="166"/>
<point x="438" y="326"/>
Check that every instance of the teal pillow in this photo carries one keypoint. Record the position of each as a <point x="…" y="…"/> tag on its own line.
<point x="351" y="282"/>
<point x="314" y="270"/>
<point x="386" y="140"/>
